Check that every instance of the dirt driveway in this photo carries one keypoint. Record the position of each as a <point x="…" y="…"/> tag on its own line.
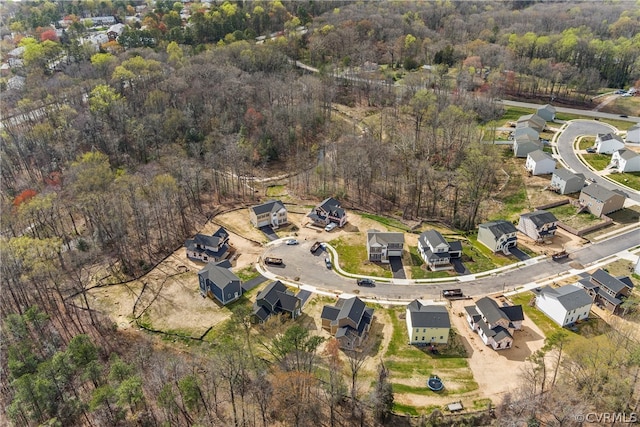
<point x="496" y="372"/>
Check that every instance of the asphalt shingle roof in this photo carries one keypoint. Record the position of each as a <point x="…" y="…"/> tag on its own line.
<point x="499" y="228"/>
<point x="428" y="316"/>
<point x="570" y="296"/>
<point x="540" y="218"/>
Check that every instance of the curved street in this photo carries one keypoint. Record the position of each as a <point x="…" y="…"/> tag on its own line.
<point x="304" y="269"/>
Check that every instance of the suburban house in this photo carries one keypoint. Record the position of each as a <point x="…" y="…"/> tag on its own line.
<point x="436" y="251"/>
<point x="217" y="281"/>
<point x="115" y="31"/>
<point x="625" y="161"/>
<point x="272" y="213"/>
<point x="547" y="112"/>
<point x="539" y="163"/>
<point x="427" y="324"/>
<point x="524" y="144"/>
<point x="540" y="225"/>
<point x="205" y="248"/>
<point x="564" y="305"/>
<point x="328" y="211"/>
<point x="600" y="201"/>
<point x="532" y="120"/>
<point x="349" y="321"/>
<point x="498" y="235"/>
<point x="607" y="143"/>
<point x="382" y="245"/>
<point x="563" y="181"/>
<point x="528" y="132"/>
<point x="633" y="134"/>
<point x="275" y="298"/>
<point x="607" y="292"/>
<point x="494" y="324"/>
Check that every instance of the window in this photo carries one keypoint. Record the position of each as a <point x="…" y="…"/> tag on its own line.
<point x="424" y="330"/>
<point x="441" y="337"/>
<point x="423" y="338"/>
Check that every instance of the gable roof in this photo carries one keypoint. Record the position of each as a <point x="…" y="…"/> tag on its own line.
<point x="533" y="118"/>
<point x="548" y="107"/>
<point x="605" y="279"/>
<point x="540" y="218"/>
<point x="499" y="228"/>
<point x="270" y="206"/>
<point x="383" y="238"/>
<point x="351" y="308"/>
<point x="493" y="313"/>
<point x="218" y="275"/>
<point x="600" y="193"/>
<point x="570" y="297"/>
<point x="277" y="295"/>
<point x="428" y="316"/>
<point x="566" y="174"/>
<point x="627" y="154"/>
<point x="610" y="136"/>
<point x="539" y="155"/>
<point x="332" y="206"/>
<point x="432" y="238"/>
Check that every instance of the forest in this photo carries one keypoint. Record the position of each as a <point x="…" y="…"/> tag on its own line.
<point x="112" y="157"/>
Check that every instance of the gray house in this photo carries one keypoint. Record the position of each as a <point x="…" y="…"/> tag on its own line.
<point x="601" y="201"/>
<point x="436" y="251"/>
<point x="547" y="112"/>
<point x="532" y="120"/>
<point x="607" y="291"/>
<point x="529" y="132"/>
<point x="382" y="245"/>
<point x="563" y="181"/>
<point x="524" y="144"/>
<point x="217" y="281"/>
<point x="275" y="298"/>
<point x="540" y="225"/>
<point x="498" y="235"/>
<point x="349" y="321"/>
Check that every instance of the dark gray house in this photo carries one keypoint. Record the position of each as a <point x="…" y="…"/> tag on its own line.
<point x="217" y="281"/>
<point x="607" y="291"/>
<point x="275" y="298"/>
<point x="349" y="321"/>
<point x="205" y="248"/>
<point x="329" y="210"/>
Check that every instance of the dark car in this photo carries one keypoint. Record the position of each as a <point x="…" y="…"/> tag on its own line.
<point x="591" y="150"/>
<point x="327" y="262"/>
<point x="624" y="116"/>
<point x="366" y="282"/>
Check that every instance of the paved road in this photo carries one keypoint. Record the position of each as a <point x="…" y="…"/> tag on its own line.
<point x="586" y="113"/>
<point x="565" y="141"/>
<point x="304" y="267"/>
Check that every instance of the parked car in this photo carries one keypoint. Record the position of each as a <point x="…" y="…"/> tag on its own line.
<point x="327" y="262"/>
<point x="593" y="180"/>
<point x="591" y="150"/>
<point x="624" y="116"/>
<point x="619" y="92"/>
<point x="330" y="226"/>
<point x="292" y="242"/>
<point x="366" y="282"/>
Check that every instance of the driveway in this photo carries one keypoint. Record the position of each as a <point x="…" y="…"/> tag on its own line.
<point x="459" y="267"/>
<point x="396" y="267"/>
<point x="247" y="286"/>
<point x="519" y="254"/>
<point x="268" y="231"/>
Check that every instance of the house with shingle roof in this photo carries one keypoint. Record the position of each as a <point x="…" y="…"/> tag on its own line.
<point x="532" y="120"/>
<point x="498" y="235"/>
<point x="527" y="132"/>
<point x="381" y="245"/>
<point x="271" y="213"/>
<point x="633" y="134"/>
<point x="539" y="225"/>
<point x="607" y="291"/>
<point x="625" y="161"/>
<point x="607" y="143"/>
<point x="525" y="144"/>
<point x="601" y="201"/>
<point x="547" y="112"/>
<point x="205" y="248"/>
<point x="564" y="305"/>
<point x="563" y="181"/>
<point x="348" y="321"/>
<point x="217" y="281"/>
<point x="328" y="211"/>
<point x="275" y="298"/>
<point x="427" y="324"/>
<point x="494" y="324"/>
<point x="540" y="163"/>
<point x="436" y="251"/>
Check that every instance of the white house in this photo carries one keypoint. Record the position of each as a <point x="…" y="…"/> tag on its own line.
<point x="539" y="225"/>
<point x="565" y="305"/>
<point x="495" y="324"/>
<point x="427" y="324"/>
<point x="539" y="163"/>
<point x="525" y="144"/>
<point x="382" y="245"/>
<point x="272" y="213"/>
<point x="498" y="235"/>
<point x="633" y="134"/>
<point x="563" y="181"/>
<point x="436" y="251"/>
<point x="607" y="143"/>
<point x="625" y="161"/>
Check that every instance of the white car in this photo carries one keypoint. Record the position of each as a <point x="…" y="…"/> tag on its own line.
<point x="330" y="226"/>
<point x="292" y="242"/>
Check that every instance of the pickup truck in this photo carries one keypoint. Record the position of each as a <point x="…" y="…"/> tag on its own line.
<point x="560" y="255"/>
<point x="315" y="247"/>
<point x="273" y="261"/>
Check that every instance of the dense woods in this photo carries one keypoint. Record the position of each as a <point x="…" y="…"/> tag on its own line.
<point x="112" y="157"/>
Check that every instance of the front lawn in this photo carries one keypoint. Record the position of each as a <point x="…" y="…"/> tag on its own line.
<point x="568" y="215"/>
<point x="597" y="161"/>
<point x="586" y="142"/>
<point x="630" y="179"/>
<point x="389" y="222"/>
<point x="353" y="259"/>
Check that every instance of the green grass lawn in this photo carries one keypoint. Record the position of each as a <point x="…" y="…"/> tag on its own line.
<point x="483" y="258"/>
<point x="630" y="179"/>
<point x="547" y="325"/>
<point x="275" y="190"/>
<point x="568" y="215"/>
<point x="353" y="259"/>
<point x="389" y="222"/>
<point x="512" y="114"/>
<point x="247" y="273"/>
<point x="597" y="161"/>
<point x="586" y="142"/>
